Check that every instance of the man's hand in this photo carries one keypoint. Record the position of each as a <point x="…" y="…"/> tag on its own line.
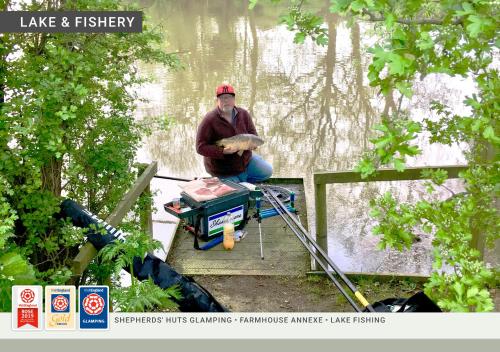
<point x="230" y="150"/>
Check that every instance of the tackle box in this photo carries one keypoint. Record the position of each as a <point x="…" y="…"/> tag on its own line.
<point x="214" y="211"/>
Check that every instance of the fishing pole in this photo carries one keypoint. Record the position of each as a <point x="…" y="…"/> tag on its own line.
<point x="282" y="211"/>
<point x="173" y="178"/>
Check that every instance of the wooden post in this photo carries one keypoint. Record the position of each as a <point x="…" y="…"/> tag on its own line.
<point x="321" y="220"/>
<point x="88" y="252"/>
<point x="478" y="241"/>
<point x="146" y="213"/>
<point x="130" y="198"/>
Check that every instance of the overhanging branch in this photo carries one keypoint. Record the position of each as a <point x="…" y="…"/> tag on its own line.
<point x="437" y="21"/>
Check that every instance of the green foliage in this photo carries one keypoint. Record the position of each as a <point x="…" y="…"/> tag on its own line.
<point x="7" y="215"/>
<point x="396" y="225"/>
<point x="456" y="263"/>
<point x="145" y="297"/>
<point x="306" y="24"/>
<point x="252" y="4"/>
<point x="140" y="296"/>
<point x="454" y="38"/>
<point x="392" y="146"/>
<point x="437" y="177"/>
<point x="67" y="129"/>
<point x="465" y="291"/>
<point x="14" y="268"/>
<point x="122" y="253"/>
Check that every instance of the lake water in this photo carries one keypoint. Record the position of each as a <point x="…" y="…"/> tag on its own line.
<point x="311" y="104"/>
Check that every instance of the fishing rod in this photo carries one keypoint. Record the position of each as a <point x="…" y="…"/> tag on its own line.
<point x="302" y="239"/>
<point x="306" y="240"/>
<point x="173" y="178"/>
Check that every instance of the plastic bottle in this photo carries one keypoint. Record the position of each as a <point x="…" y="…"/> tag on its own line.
<point x="228" y="241"/>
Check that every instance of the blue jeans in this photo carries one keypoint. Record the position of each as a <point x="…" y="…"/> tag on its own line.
<point x="258" y="170"/>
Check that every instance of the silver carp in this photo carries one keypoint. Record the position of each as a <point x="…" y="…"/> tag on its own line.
<point x="241" y="142"/>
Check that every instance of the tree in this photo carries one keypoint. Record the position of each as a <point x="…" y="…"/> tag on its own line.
<point x="419" y="38"/>
<point x="66" y="129"/>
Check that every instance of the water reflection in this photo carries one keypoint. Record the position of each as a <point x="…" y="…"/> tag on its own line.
<point x="312" y="104"/>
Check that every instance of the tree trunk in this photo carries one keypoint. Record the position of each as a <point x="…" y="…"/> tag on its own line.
<point x="51" y="176"/>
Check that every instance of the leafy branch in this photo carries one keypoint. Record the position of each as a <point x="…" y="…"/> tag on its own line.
<point x="306" y="24"/>
<point x="392" y="146"/>
<point x="141" y="295"/>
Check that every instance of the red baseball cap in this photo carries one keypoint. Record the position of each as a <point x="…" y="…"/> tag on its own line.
<point x="224" y="89"/>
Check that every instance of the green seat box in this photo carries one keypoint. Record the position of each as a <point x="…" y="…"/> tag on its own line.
<point x="214" y="211"/>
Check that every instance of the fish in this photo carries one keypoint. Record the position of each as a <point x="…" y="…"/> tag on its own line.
<point x="242" y="142"/>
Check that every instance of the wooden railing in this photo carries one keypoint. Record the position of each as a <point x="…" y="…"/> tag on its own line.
<point x="88" y="252"/>
<point x="321" y="179"/>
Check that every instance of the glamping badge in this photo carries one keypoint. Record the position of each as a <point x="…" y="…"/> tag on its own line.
<point x="94" y="307"/>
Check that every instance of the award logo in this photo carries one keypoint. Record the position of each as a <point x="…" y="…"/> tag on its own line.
<point x="60" y="307"/>
<point x="94" y="307"/>
<point x="27" y="307"/>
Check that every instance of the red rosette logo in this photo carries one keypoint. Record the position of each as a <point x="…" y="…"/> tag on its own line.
<point x="93" y="304"/>
<point x="27" y="295"/>
<point x="60" y="303"/>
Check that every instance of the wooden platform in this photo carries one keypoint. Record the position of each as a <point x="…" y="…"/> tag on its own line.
<point x="284" y="254"/>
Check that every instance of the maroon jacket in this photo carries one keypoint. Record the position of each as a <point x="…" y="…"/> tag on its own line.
<point x="215" y="127"/>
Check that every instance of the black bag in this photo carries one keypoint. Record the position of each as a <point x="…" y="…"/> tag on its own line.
<point x="195" y="298"/>
<point x="418" y="303"/>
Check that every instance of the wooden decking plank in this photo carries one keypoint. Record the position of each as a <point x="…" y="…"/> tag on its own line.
<point x="229" y="255"/>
